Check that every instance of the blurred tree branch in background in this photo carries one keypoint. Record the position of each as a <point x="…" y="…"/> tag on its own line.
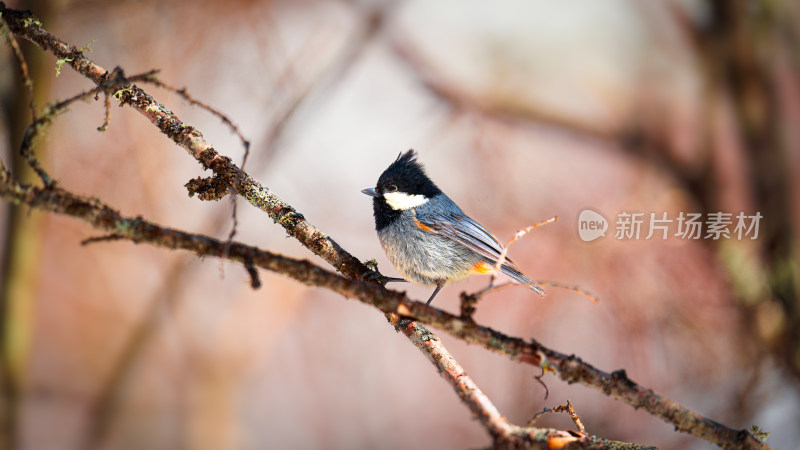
<point x="747" y="52"/>
<point x="229" y="178"/>
<point x="750" y="57"/>
<point x="23" y="235"/>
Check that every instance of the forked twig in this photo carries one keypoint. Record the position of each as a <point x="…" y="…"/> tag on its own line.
<point x="561" y="408"/>
<point x="518" y="235"/>
<point x="468" y="301"/>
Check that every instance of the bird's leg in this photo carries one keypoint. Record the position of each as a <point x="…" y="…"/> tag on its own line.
<point x="439" y="285"/>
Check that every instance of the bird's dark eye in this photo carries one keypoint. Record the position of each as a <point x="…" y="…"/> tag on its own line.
<point x="391" y="188"/>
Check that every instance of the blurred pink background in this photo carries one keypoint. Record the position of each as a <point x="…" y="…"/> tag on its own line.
<point x="520" y="110"/>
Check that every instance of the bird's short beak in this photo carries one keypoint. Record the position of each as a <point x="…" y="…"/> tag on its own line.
<point x="370" y="191"/>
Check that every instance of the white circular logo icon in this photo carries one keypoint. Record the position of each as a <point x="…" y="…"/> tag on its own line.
<point x="591" y="225"/>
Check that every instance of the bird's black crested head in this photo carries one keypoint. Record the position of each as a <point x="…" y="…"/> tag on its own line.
<point x="406" y="176"/>
<point x="401" y="187"/>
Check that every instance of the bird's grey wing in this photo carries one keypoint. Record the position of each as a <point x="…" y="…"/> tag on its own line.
<point x="460" y="228"/>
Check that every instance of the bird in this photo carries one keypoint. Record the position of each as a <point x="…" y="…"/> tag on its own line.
<point x="426" y="236"/>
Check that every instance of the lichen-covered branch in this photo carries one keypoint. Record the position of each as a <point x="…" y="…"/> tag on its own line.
<point x="504" y="434"/>
<point x="24" y="25"/>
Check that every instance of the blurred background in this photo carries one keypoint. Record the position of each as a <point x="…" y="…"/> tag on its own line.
<point x="520" y="110"/>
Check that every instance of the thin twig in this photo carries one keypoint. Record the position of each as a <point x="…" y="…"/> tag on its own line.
<point x="255" y="281"/>
<point x="575" y="418"/>
<point x="39" y="125"/>
<point x="518" y="235"/>
<point x="105" y="238"/>
<point x="23" y="67"/>
<point x="540" y="379"/>
<point x="184" y="94"/>
<point x="43" y="121"/>
<point x="468" y="301"/>
<point x="570" y="287"/>
<point x="561" y="408"/>
<point x="107" y="110"/>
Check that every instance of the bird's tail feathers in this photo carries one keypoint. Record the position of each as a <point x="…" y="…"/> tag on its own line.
<point x="516" y="275"/>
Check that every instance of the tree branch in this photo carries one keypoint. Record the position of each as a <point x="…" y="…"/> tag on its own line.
<point x="23" y="24"/>
<point x="504" y="434"/>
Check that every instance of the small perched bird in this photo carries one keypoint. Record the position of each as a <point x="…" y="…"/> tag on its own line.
<point x="426" y="236"/>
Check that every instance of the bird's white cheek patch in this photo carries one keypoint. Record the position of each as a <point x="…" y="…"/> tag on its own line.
<point x="401" y="200"/>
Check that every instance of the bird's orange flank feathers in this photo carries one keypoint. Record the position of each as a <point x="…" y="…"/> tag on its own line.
<point x="482" y="267"/>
